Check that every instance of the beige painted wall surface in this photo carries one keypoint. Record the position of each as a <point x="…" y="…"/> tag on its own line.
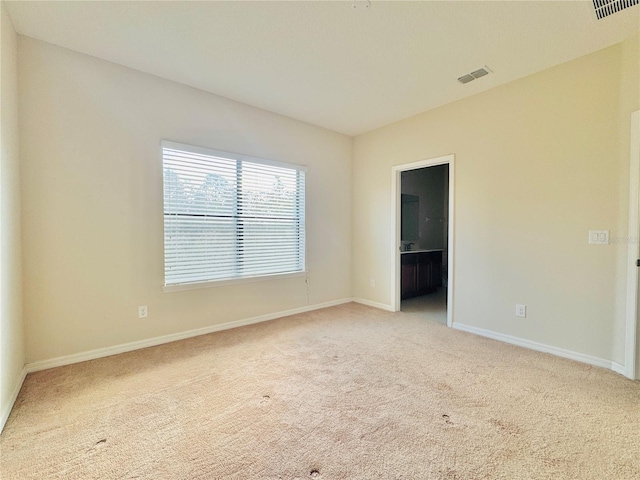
<point x="629" y="101"/>
<point x="11" y="327"/>
<point x="92" y="202"/>
<point x="538" y="164"/>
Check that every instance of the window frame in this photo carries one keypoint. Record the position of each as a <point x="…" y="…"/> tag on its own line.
<point x="243" y="158"/>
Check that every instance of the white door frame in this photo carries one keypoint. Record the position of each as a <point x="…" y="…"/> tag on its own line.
<point x="631" y="330"/>
<point x="396" y="172"/>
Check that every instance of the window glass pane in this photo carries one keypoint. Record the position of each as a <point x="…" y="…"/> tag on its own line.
<point x="195" y="184"/>
<point x="268" y="191"/>
<point x="200" y="249"/>
<point x="270" y="245"/>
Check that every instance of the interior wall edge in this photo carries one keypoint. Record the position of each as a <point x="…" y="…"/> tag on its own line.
<point x="6" y="408"/>
<point x="369" y="303"/>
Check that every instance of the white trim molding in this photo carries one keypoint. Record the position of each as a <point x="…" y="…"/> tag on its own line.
<point x="616" y="367"/>
<point x="152" y="342"/>
<point x="631" y="323"/>
<point x="540" y="347"/>
<point x="6" y="409"/>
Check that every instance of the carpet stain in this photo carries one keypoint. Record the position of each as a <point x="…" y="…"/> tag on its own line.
<point x="444" y="387"/>
<point x="98" y="444"/>
<point x="449" y="474"/>
<point x="507" y="427"/>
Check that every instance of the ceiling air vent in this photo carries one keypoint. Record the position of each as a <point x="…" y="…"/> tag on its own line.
<point x="604" y="8"/>
<point x="469" y="77"/>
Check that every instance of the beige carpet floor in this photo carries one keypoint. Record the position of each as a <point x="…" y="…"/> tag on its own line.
<point x="348" y="392"/>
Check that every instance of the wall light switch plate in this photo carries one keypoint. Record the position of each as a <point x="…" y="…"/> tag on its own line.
<point x="598" y="237"/>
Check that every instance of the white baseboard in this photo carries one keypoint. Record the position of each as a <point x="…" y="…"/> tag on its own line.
<point x="540" y="347"/>
<point x="369" y="303"/>
<point x="152" y="342"/>
<point x="6" y="409"/>
<point x="621" y="369"/>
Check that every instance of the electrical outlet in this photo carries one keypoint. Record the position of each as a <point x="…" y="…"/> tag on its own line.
<point x="142" y="311"/>
<point x="521" y="311"/>
<point x="372" y="282"/>
<point x="598" y="237"/>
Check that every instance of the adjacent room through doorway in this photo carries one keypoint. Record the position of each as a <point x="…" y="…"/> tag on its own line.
<point x="424" y="235"/>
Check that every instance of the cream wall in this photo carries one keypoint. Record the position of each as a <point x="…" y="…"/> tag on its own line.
<point x="92" y="202"/>
<point x="11" y="327"/>
<point x="629" y="101"/>
<point x="538" y="163"/>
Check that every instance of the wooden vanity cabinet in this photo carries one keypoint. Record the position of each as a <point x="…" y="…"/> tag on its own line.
<point x="409" y="282"/>
<point x="421" y="273"/>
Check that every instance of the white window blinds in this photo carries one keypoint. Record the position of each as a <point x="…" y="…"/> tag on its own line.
<point x="229" y="216"/>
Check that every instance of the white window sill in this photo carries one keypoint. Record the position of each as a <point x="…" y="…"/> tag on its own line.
<point x="235" y="281"/>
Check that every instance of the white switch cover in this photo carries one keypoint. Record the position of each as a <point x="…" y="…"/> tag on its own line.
<point x="521" y="311"/>
<point x="598" y="237"/>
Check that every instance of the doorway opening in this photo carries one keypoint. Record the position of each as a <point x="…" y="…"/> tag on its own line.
<point x="631" y="368"/>
<point x="423" y="239"/>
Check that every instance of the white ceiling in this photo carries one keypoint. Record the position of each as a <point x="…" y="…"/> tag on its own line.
<point x="327" y="63"/>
